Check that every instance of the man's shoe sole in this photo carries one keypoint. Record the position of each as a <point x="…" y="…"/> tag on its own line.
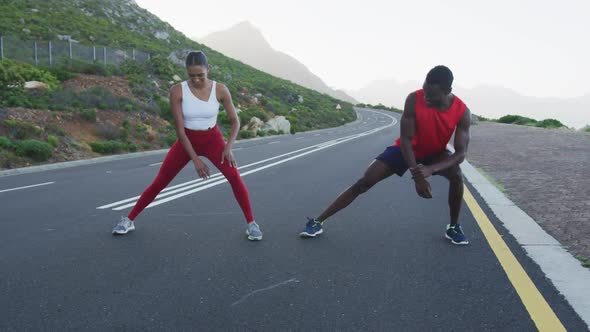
<point x="456" y="243"/>
<point x="305" y="234"/>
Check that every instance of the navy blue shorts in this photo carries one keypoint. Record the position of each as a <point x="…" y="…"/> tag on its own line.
<point x="393" y="157"/>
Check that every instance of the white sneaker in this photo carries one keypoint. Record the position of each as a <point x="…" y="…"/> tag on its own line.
<point x="253" y="231"/>
<point x="124" y="226"/>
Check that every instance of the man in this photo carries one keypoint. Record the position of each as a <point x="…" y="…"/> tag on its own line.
<point x="430" y="117"/>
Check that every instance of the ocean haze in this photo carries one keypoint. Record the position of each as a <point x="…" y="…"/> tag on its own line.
<point x="486" y="100"/>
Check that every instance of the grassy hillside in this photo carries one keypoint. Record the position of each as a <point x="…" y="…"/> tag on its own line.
<point x="122" y="24"/>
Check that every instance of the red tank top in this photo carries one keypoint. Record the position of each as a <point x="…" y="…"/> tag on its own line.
<point x="434" y="127"/>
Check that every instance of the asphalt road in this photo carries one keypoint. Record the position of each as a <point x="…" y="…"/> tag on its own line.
<point x="382" y="264"/>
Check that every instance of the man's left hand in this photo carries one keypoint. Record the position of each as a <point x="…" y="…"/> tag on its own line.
<point x="421" y="171"/>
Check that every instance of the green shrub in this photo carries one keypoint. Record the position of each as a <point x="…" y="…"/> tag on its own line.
<point x="141" y="128"/>
<point x="10" y="76"/>
<point x="8" y="159"/>
<point x="88" y="115"/>
<point x="80" y="66"/>
<point x="126" y="124"/>
<point x="245" y="134"/>
<point x="225" y="135"/>
<point x="549" y="123"/>
<point x="294" y="121"/>
<point x="60" y="72"/>
<point x="22" y="130"/>
<point x="107" y="147"/>
<point x="15" y="98"/>
<point x="108" y="131"/>
<point x="163" y="67"/>
<point x="54" y="129"/>
<point x="249" y="112"/>
<point x="164" y="105"/>
<point x="124" y="134"/>
<point x="481" y="118"/>
<point x="223" y="119"/>
<point x="261" y="133"/>
<point x="131" y="67"/>
<point x="5" y="143"/>
<point x="132" y="147"/>
<point x="52" y="140"/>
<point x="34" y="149"/>
<point x="272" y="132"/>
<point x="516" y="119"/>
<point x="16" y="73"/>
<point x="170" y="138"/>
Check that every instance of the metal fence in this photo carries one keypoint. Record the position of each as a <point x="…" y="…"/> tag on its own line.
<point x="57" y="52"/>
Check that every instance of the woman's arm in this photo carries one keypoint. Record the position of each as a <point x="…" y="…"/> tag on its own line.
<point x="176" y="108"/>
<point x="228" y="105"/>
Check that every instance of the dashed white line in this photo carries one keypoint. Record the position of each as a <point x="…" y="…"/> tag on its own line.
<point x="25" y="187"/>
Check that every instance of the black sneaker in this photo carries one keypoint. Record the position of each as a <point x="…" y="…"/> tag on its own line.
<point x="456" y="235"/>
<point x="312" y="228"/>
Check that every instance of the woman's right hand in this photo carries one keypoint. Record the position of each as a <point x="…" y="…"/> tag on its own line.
<point x="202" y="169"/>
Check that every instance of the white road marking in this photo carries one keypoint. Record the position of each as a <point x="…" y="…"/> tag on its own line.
<point x="197" y="185"/>
<point x="264" y="289"/>
<point x="25" y="187"/>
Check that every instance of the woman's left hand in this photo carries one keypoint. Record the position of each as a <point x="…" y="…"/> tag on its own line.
<point x="229" y="157"/>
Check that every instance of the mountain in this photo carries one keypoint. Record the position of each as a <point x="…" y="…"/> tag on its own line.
<point x="488" y="101"/>
<point x="244" y="42"/>
<point x="111" y="23"/>
<point x="124" y="25"/>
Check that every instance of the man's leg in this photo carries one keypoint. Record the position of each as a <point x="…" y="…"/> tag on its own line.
<point x="455" y="177"/>
<point x="454" y="231"/>
<point x="376" y="172"/>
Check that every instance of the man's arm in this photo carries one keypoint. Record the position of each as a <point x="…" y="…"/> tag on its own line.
<point x="460" y="144"/>
<point x="408" y="129"/>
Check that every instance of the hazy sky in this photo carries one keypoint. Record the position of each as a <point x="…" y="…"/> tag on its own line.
<point x="538" y="48"/>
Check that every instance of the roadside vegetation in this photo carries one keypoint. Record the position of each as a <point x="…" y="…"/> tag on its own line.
<point x="88" y="109"/>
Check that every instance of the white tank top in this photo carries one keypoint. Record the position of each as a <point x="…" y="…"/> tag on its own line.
<point x="198" y="114"/>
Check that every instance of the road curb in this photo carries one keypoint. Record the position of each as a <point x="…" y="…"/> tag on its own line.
<point x="566" y="273"/>
<point x="68" y="164"/>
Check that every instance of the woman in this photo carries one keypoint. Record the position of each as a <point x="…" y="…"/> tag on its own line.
<point x="195" y="105"/>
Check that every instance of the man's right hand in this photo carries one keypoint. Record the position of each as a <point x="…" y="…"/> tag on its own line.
<point x="202" y="169"/>
<point x="423" y="188"/>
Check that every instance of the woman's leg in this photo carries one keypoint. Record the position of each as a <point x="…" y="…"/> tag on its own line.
<point x="174" y="162"/>
<point x="213" y="150"/>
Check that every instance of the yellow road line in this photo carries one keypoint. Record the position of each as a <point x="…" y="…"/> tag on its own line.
<point x="539" y="310"/>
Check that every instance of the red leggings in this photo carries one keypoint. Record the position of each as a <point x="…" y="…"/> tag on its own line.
<point x="207" y="143"/>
